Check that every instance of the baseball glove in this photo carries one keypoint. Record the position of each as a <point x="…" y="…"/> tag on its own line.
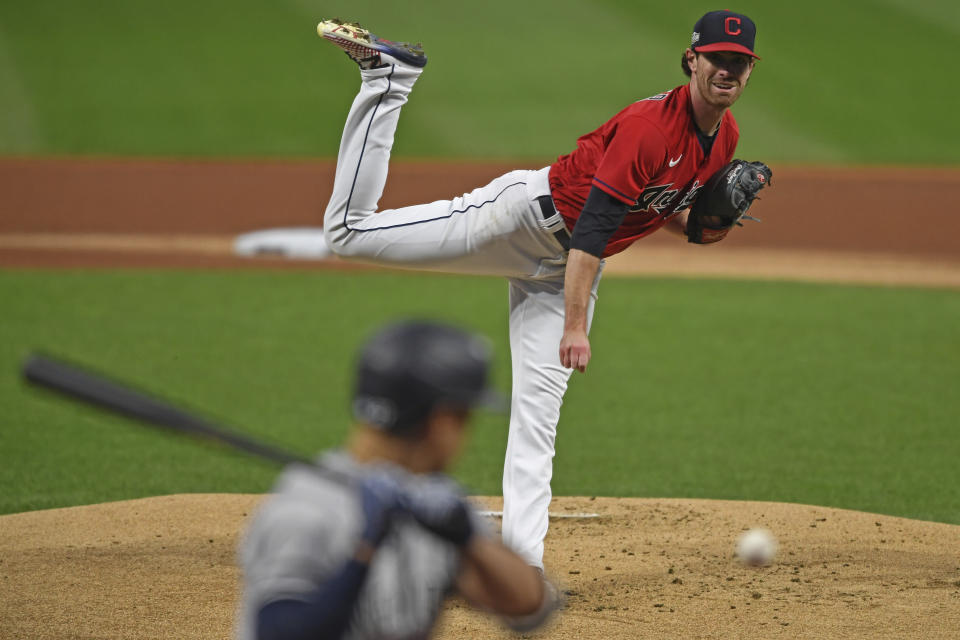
<point x="725" y="199"/>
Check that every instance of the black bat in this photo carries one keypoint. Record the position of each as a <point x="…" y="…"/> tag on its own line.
<point x="81" y="384"/>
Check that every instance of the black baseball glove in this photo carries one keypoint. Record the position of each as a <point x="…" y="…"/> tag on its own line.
<point x="724" y="200"/>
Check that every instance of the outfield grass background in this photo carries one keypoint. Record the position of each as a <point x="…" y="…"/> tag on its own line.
<point x="853" y="82"/>
<point x="825" y="394"/>
<point x="818" y="394"/>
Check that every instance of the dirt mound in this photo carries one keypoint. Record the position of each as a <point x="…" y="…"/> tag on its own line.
<point x="164" y="568"/>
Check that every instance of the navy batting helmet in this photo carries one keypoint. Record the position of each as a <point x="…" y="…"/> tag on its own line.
<point x="408" y="369"/>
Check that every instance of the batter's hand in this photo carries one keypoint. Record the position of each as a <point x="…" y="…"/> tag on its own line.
<point x="575" y="350"/>
<point x="436" y="502"/>
<point x="379" y="500"/>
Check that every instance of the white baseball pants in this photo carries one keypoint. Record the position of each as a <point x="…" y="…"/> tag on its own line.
<point x="494" y="230"/>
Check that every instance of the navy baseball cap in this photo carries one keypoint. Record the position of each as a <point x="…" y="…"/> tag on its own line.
<point x="408" y="368"/>
<point x="724" y="31"/>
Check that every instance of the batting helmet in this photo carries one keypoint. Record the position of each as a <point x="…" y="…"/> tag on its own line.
<point x="408" y="369"/>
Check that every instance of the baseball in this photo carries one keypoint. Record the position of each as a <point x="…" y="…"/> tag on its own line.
<point x="756" y="547"/>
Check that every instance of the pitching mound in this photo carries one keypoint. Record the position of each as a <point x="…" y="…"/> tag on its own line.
<point x="164" y="568"/>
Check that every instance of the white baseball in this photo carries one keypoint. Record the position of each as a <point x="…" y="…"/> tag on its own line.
<point x="757" y="547"/>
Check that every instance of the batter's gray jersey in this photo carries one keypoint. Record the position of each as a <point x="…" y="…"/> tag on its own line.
<point x="309" y="528"/>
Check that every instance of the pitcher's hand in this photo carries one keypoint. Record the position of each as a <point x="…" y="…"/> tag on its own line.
<point x="575" y="350"/>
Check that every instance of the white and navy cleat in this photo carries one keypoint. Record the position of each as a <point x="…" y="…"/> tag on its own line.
<point x="365" y="48"/>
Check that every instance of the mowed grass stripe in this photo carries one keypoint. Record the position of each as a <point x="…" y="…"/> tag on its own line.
<point x="505" y="79"/>
<point x="19" y="130"/>
<point x="821" y="394"/>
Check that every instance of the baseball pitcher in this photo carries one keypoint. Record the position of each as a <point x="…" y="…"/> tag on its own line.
<point x="370" y="545"/>
<point x="664" y="161"/>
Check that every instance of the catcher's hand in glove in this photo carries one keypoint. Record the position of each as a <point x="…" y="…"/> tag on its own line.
<point x="724" y="200"/>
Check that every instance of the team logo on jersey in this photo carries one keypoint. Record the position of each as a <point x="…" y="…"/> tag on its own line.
<point x="690" y="197"/>
<point x="657" y="198"/>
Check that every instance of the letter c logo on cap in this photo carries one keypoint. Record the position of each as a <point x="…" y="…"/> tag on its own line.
<point x="732" y="20"/>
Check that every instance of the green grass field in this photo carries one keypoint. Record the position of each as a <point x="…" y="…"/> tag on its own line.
<point x="821" y="394"/>
<point x="854" y="82"/>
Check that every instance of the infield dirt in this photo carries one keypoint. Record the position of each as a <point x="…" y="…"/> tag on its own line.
<point x="164" y="568"/>
<point x="885" y="226"/>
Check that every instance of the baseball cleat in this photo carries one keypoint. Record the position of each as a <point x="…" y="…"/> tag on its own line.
<point x="365" y="49"/>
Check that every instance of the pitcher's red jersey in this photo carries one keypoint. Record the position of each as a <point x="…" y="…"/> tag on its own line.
<point x="647" y="156"/>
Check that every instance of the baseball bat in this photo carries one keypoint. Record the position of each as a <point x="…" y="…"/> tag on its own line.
<point x="84" y="385"/>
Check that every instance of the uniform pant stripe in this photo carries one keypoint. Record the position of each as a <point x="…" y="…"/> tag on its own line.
<point x="363" y="147"/>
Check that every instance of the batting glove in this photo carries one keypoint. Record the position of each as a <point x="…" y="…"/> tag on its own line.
<point x="437" y="503"/>
<point x="380" y="499"/>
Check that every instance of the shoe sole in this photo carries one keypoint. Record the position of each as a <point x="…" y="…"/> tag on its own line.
<point x="360" y="43"/>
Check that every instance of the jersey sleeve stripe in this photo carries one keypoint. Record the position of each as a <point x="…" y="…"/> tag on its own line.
<point x="613" y="191"/>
